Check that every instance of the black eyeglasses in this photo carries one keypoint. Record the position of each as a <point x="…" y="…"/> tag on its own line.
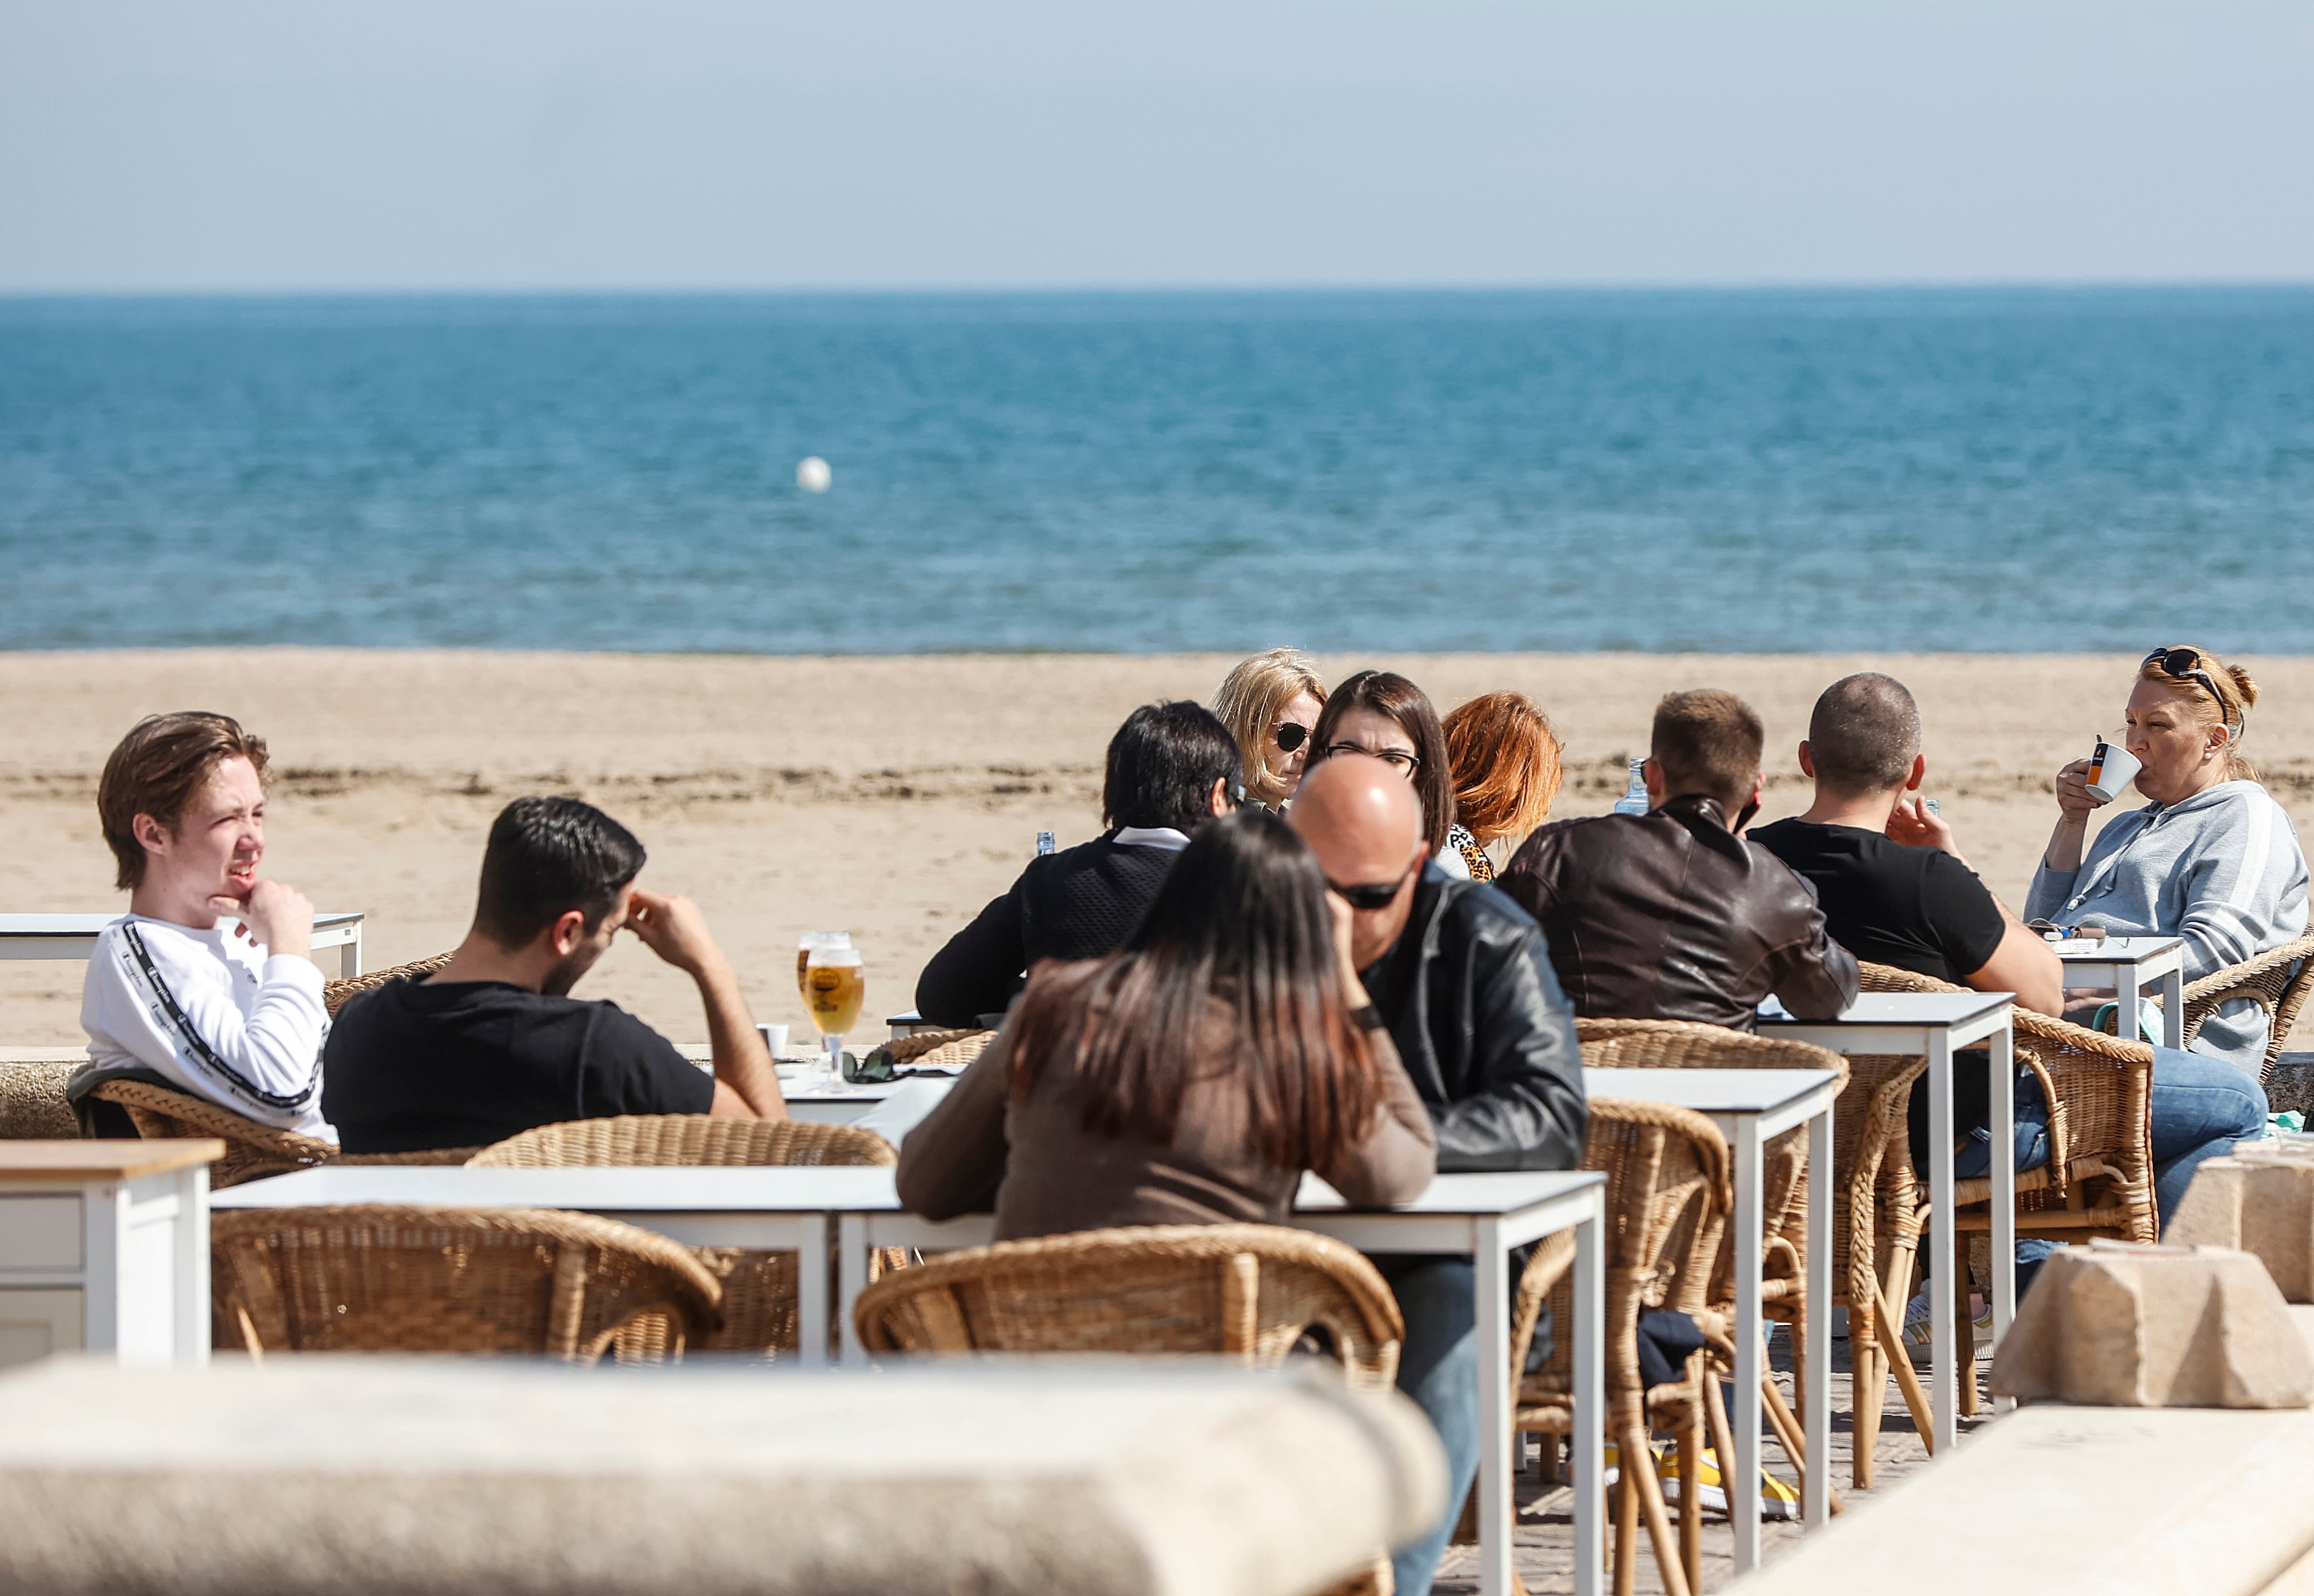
<point x="1371" y="894"/>
<point x="2184" y="665"/>
<point x="1290" y="736"/>
<point x="1398" y="760"/>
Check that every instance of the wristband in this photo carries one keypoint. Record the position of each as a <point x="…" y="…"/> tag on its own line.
<point x="1368" y="1019"/>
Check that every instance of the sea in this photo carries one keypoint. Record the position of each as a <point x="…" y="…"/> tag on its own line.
<point x="1773" y="469"/>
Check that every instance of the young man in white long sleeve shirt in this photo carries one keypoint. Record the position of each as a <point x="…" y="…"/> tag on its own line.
<point x="230" y="1012"/>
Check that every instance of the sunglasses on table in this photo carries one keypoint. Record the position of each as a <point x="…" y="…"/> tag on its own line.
<point x="1370" y="895"/>
<point x="1397" y="759"/>
<point x="2184" y="665"/>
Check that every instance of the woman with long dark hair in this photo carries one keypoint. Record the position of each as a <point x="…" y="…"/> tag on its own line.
<point x="1191" y="1077"/>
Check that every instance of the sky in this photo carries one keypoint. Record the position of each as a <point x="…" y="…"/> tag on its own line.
<point x="249" y="145"/>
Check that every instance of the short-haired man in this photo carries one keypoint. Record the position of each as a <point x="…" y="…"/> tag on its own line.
<point x="173" y="996"/>
<point x="1170" y="767"/>
<point x="1460" y="977"/>
<point x="492" y="1043"/>
<point x="1672" y="914"/>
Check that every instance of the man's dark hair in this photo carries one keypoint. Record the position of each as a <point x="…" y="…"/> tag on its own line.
<point x="1708" y="741"/>
<point x="157" y="769"/>
<point x="546" y="857"/>
<point x="1865" y="734"/>
<point x="1162" y="764"/>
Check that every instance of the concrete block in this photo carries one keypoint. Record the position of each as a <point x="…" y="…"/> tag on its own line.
<point x="2115" y="1326"/>
<point x="2260" y="1201"/>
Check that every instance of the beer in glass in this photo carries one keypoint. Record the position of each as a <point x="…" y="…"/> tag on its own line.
<point x="834" y="988"/>
<point x="806" y="943"/>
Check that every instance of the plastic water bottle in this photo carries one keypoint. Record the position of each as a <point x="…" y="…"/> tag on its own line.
<point x="1045" y="843"/>
<point x="1634" y="800"/>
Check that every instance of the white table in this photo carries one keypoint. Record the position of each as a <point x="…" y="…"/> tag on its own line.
<point x="1481" y="1216"/>
<point x="2127" y="966"/>
<point x="829" y="1103"/>
<point x="104" y="1246"/>
<point x="74" y="937"/>
<point x="771" y="1209"/>
<point x="1938" y="1024"/>
<point x="1750" y="1106"/>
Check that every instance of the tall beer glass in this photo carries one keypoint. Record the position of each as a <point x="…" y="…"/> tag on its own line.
<point x="806" y="943"/>
<point x="834" y="988"/>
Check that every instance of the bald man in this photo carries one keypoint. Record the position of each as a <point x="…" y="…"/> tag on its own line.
<point x="1461" y="978"/>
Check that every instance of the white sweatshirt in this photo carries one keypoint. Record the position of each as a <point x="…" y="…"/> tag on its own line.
<point x="212" y="1014"/>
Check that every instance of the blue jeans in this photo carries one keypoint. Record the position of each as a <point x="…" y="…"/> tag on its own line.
<point x="2201" y="1106"/>
<point x="1438" y="1370"/>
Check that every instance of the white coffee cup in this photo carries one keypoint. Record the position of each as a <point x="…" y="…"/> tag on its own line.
<point x="775" y="1037"/>
<point x="2112" y="768"/>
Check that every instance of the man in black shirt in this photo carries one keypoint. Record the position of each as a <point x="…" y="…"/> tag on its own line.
<point x="492" y="1043"/>
<point x="1170" y="767"/>
<point x="1893" y="885"/>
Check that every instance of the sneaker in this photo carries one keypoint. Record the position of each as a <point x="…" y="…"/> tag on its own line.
<point x="1918" y="1344"/>
<point x="1777" y="1499"/>
<point x="1609" y="1475"/>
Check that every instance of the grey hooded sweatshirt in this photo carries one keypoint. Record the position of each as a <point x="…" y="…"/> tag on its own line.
<point x="2222" y="868"/>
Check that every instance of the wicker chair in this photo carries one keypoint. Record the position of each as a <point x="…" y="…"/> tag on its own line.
<point x="759" y="1288"/>
<point x="253" y="1151"/>
<point x="939" y="1049"/>
<point x="2097" y="1179"/>
<point x="1667" y="1200"/>
<point x="378" y="1278"/>
<point x="1246" y="1292"/>
<point x="336" y="994"/>
<point x="1680" y="1045"/>
<point x="2276" y="980"/>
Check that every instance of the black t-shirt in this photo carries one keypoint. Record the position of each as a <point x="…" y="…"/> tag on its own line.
<point x="412" y="1067"/>
<point x="1919" y="909"/>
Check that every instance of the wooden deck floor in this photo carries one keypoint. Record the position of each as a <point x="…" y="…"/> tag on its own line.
<point x="1546" y="1534"/>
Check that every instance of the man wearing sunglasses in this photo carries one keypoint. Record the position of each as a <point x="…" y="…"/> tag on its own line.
<point x="1460" y="976"/>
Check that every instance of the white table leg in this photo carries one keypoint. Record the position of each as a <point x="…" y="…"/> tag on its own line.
<point x="1817" y="1486"/>
<point x="2002" y="1126"/>
<point x="1942" y="1381"/>
<point x="811" y="1292"/>
<point x="2173" y="1010"/>
<point x="852" y="1279"/>
<point x="189" y="1288"/>
<point x="1494" y="1412"/>
<point x="1742" y="1481"/>
<point x="349" y="957"/>
<point x="1589" y="1365"/>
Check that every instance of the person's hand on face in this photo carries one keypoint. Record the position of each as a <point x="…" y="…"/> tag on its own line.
<point x="673" y="928"/>
<point x="1346" y="964"/>
<point x="274" y="916"/>
<point x="1911" y="823"/>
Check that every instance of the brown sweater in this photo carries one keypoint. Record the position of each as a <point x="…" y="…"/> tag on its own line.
<point x="1044" y="1173"/>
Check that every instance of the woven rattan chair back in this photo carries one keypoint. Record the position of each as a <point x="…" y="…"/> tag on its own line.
<point x="253" y="1151"/>
<point x="760" y="1301"/>
<point x="336" y="994"/>
<point x="2276" y="980"/>
<point x="33" y="1102"/>
<point x="929" y="1050"/>
<point x="378" y="1278"/>
<point x="669" y="1141"/>
<point x="1246" y="1291"/>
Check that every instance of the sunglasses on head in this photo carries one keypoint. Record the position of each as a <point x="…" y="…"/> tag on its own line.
<point x="2184" y="665"/>
<point x="1291" y="736"/>
<point x="1370" y="895"/>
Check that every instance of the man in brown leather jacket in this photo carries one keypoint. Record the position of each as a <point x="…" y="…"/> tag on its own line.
<point x="1672" y="914"/>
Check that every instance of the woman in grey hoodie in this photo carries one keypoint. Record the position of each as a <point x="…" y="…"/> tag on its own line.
<point x="2211" y="858"/>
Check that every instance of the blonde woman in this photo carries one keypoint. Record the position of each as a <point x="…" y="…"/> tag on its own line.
<point x="1505" y="760"/>
<point x="1270" y="703"/>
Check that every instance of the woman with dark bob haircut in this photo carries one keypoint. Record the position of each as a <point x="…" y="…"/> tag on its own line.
<point x="1384" y="714"/>
<point x="1191" y="1076"/>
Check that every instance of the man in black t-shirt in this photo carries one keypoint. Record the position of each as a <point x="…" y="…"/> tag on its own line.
<point x="1893" y="887"/>
<point x="492" y="1043"/>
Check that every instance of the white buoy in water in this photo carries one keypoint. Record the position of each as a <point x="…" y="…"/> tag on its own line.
<point x="812" y="474"/>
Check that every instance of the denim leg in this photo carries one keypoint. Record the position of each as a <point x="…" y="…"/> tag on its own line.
<point x="1438" y="1370"/>
<point x="2202" y="1106"/>
<point x="1973" y="1161"/>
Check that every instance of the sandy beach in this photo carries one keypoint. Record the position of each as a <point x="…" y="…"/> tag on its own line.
<point x="889" y="796"/>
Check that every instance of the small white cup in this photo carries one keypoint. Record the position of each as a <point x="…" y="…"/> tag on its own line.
<point x="2112" y="768"/>
<point x="775" y="1037"/>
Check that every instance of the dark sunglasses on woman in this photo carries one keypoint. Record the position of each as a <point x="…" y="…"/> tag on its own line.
<point x="1291" y="736"/>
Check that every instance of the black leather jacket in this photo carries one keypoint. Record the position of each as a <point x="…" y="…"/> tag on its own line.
<point x="1469" y="998"/>
<point x="1669" y="915"/>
